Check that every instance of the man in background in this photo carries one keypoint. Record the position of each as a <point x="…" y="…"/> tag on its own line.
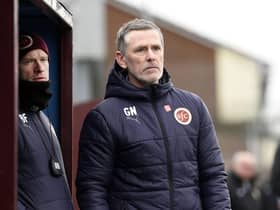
<point x="244" y="192"/>
<point x="275" y="177"/>
<point x="42" y="182"/>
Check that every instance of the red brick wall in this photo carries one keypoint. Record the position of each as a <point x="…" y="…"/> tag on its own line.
<point x="79" y="113"/>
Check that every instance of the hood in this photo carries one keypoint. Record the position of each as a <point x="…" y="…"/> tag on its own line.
<point x="118" y="86"/>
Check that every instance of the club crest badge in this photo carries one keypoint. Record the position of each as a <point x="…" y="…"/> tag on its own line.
<point x="183" y="116"/>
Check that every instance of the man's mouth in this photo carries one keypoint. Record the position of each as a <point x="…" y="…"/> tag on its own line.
<point x="40" y="79"/>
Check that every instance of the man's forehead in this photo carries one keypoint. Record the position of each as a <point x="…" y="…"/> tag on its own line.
<point x="142" y="35"/>
<point x="36" y="52"/>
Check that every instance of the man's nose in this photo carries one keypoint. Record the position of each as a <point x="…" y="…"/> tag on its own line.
<point x="150" y="54"/>
<point x="39" y="66"/>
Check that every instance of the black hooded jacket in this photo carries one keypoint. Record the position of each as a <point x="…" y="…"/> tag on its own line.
<point x="149" y="148"/>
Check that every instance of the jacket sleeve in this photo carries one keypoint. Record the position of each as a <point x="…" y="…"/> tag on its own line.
<point x="212" y="176"/>
<point x="275" y="173"/>
<point x="95" y="163"/>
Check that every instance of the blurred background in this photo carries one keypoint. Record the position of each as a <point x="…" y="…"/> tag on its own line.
<point x="225" y="51"/>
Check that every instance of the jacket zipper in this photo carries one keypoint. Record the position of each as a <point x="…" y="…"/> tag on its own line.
<point x="167" y="149"/>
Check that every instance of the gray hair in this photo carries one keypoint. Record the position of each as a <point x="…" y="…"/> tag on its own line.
<point x="135" y="25"/>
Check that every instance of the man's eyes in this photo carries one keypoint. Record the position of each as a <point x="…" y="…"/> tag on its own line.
<point x="31" y="61"/>
<point x="156" y="48"/>
<point x="144" y="49"/>
<point x="44" y="59"/>
<point x="140" y="49"/>
<point x="28" y="61"/>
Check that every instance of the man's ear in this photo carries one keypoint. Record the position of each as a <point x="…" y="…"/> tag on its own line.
<point x="120" y="59"/>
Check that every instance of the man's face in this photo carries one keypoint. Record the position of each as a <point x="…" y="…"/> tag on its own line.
<point x="34" y="66"/>
<point x="143" y="57"/>
<point x="245" y="167"/>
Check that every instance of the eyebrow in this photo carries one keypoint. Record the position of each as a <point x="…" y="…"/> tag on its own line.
<point x="41" y="56"/>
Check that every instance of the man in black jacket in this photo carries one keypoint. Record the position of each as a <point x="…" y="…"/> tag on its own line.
<point x="148" y="145"/>
<point x="275" y="176"/>
<point x="245" y="194"/>
<point x="42" y="183"/>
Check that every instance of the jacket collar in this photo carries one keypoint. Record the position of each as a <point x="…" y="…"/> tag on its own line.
<point x="119" y="86"/>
